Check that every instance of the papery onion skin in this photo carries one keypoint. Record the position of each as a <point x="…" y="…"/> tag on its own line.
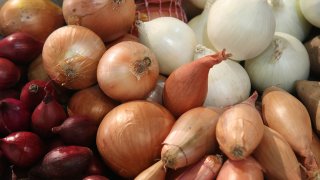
<point x="128" y="71"/>
<point x="120" y="16"/>
<point x="277" y="157"/>
<point x="248" y="169"/>
<point x="129" y="137"/>
<point x="71" y="55"/>
<point x="38" y="18"/>
<point x="91" y="102"/>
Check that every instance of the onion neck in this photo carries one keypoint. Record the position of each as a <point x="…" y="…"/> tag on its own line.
<point x="140" y="67"/>
<point x="279" y="46"/>
<point x="211" y="60"/>
<point x="33" y="88"/>
<point x="275" y="3"/>
<point x="252" y="99"/>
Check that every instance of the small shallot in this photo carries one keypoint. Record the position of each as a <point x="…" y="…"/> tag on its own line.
<point x="155" y="172"/>
<point x="240" y="129"/>
<point x="191" y="137"/>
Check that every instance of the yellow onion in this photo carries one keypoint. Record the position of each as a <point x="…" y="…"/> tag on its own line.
<point x="38" y="18"/>
<point x="285" y="114"/>
<point x="90" y="102"/>
<point x="277" y="157"/>
<point x="155" y="172"/>
<point x="71" y="55"/>
<point x="240" y="129"/>
<point x="191" y="137"/>
<point x="129" y="137"/>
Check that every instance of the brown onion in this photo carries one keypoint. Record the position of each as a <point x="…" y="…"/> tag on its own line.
<point x="315" y="147"/>
<point x="313" y="48"/>
<point x="110" y="19"/>
<point x="9" y="74"/>
<point x="187" y="86"/>
<point x="277" y="157"/>
<point x="246" y="169"/>
<point x="155" y="172"/>
<point x="285" y="114"/>
<point x="128" y="71"/>
<point x="36" y="70"/>
<point x="91" y="102"/>
<point x="191" y="137"/>
<point x="37" y="17"/>
<point x="71" y="55"/>
<point x="129" y="137"/>
<point x="240" y="129"/>
<point x="126" y="37"/>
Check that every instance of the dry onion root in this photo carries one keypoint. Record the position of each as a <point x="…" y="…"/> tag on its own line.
<point x="240" y="129"/>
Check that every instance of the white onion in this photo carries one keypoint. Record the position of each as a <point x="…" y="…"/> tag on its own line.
<point x="199" y="25"/>
<point x="243" y="27"/>
<point x="172" y="41"/>
<point x="198" y="3"/>
<point x="311" y="11"/>
<point x="228" y="81"/>
<point x="289" y="18"/>
<point x="283" y="63"/>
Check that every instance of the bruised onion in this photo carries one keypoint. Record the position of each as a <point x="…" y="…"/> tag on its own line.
<point x="187" y="86"/>
<point x="91" y="14"/>
<point x="240" y="129"/>
<point x="77" y="130"/>
<point x="129" y="137"/>
<point x="91" y="102"/>
<point x="20" y="48"/>
<point x="247" y="168"/>
<point x="48" y="114"/>
<point x="128" y="71"/>
<point x="63" y="162"/>
<point x="22" y="149"/>
<point x="191" y="137"/>
<point x="71" y="55"/>
<point x="9" y="74"/>
<point x="36" y="70"/>
<point x="37" y="18"/>
<point x="14" y="116"/>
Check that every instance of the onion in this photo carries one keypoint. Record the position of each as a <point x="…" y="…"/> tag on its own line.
<point x="285" y="114"/>
<point x="191" y="138"/>
<point x="71" y="55"/>
<point x="281" y="64"/>
<point x="187" y="86"/>
<point x="128" y="65"/>
<point x="315" y="147"/>
<point x="38" y="18"/>
<point x="248" y="168"/>
<point x="244" y="27"/>
<point x="20" y="48"/>
<point x="90" y="102"/>
<point x="22" y="149"/>
<point x="126" y="37"/>
<point x="14" y="116"/>
<point x="92" y="14"/>
<point x="240" y="129"/>
<point x="276" y="156"/>
<point x="310" y="10"/>
<point x="9" y="93"/>
<point x="129" y="127"/>
<point x="199" y="3"/>
<point x="170" y="39"/>
<point x="313" y="49"/>
<point x="156" y="94"/>
<point x="36" y="70"/>
<point x="9" y="74"/>
<point x="155" y="172"/>
<point x="223" y="79"/>
<point x="95" y="177"/>
<point x="48" y="114"/>
<point x="65" y="162"/>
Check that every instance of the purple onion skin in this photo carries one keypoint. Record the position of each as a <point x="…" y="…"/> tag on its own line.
<point x="9" y="93"/>
<point x="32" y="93"/>
<point x="9" y="74"/>
<point x="19" y="47"/>
<point x="77" y="130"/>
<point x="65" y="162"/>
<point x="22" y="149"/>
<point x="14" y="116"/>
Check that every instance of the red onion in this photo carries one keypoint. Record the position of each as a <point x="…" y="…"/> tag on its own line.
<point x="77" y="130"/>
<point x="20" y="48"/>
<point x="22" y="149"/>
<point x="48" y="114"/>
<point x="9" y="74"/>
<point x="96" y="167"/>
<point x="66" y="162"/>
<point x="14" y="116"/>
<point x="95" y="177"/>
<point x="9" y="93"/>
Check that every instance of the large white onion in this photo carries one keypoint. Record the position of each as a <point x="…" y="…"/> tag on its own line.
<point x="283" y="63"/>
<point x="289" y="18"/>
<point x="228" y="81"/>
<point x="311" y="11"/>
<point x="171" y="39"/>
<point x="243" y="27"/>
